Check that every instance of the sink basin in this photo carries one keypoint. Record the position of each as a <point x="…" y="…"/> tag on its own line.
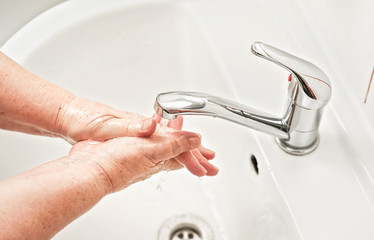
<point x="123" y="53"/>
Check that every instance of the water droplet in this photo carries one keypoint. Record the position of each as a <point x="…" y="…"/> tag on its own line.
<point x="164" y="176"/>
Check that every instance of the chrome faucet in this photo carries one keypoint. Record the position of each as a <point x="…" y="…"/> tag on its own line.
<point x="309" y="91"/>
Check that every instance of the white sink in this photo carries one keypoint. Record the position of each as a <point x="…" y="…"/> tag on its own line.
<point x="124" y="53"/>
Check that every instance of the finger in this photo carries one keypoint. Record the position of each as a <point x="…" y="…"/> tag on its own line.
<point x="188" y="160"/>
<point x="173" y="164"/>
<point x="210" y="168"/>
<point x="207" y="153"/>
<point x="141" y="128"/>
<point x="171" y="144"/>
<point x="176" y="124"/>
<point x="128" y="115"/>
<point x="125" y="128"/>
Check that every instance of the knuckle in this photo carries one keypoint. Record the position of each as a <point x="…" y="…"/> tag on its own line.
<point x="127" y="128"/>
<point x="175" y="146"/>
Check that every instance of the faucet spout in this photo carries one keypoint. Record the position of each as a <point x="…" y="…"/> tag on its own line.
<point x="171" y="104"/>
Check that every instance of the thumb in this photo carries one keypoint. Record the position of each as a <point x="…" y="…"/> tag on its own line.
<point x="171" y="145"/>
<point x="140" y="127"/>
<point x="118" y="127"/>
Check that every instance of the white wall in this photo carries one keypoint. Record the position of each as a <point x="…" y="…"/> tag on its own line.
<point x="16" y="13"/>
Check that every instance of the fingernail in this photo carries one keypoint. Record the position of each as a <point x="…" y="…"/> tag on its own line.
<point x="147" y="123"/>
<point x="202" y="173"/>
<point x="194" y="142"/>
<point x="210" y="151"/>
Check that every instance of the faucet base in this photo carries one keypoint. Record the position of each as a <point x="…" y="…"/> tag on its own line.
<point x="297" y="151"/>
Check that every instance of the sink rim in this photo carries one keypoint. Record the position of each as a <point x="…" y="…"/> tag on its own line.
<point x="16" y="48"/>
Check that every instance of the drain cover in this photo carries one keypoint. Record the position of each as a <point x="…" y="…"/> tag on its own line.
<point x="186" y="234"/>
<point x="185" y="227"/>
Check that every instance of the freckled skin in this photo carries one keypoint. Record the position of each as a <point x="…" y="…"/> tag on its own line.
<point x="60" y="191"/>
<point x="32" y="105"/>
<point x="123" y="148"/>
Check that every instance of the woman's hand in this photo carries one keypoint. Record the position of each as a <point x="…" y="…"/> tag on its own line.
<point x="54" y="194"/>
<point x="196" y="160"/>
<point x="124" y="161"/>
<point x="30" y="104"/>
<point x="83" y="119"/>
<point x="33" y="105"/>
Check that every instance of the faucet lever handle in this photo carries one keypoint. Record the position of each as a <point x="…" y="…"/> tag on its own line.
<point x="313" y="81"/>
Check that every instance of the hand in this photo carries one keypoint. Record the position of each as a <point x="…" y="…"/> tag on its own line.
<point x="33" y="105"/>
<point x="83" y="119"/>
<point x="195" y="160"/>
<point x="124" y="161"/>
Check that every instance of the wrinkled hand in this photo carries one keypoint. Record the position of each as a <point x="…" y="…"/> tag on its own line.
<point x="83" y="119"/>
<point x="124" y="161"/>
<point x="195" y="160"/>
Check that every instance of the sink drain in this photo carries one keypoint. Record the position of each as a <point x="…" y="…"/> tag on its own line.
<point x="186" y="234"/>
<point x="185" y="227"/>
